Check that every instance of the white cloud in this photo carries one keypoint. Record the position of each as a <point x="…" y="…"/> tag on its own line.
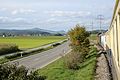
<point x="107" y="21"/>
<point x="51" y="20"/>
<point x="22" y="11"/>
<point x="27" y="11"/>
<point x="3" y="9"/>
<point x="67" y="13"/>
<point x="18" y="19"/>
<point x="12" y="20"/>
<point x="3" y="19"/>
<point x="17" y="11"/>
<point x="59" y="21"/>
<point x="14" y="12"/>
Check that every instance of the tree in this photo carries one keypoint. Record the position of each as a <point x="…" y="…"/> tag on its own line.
<point x="79" y="38"/>
<point x="80" y="46"/>
<point x="12" y="72"/>
<point x="58" y="34"/>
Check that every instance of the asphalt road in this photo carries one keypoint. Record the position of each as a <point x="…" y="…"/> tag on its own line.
<point x="40" y="60"/>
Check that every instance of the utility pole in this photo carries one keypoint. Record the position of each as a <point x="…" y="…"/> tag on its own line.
<point x="100" y="18"/>
<point x="92" y="25"/>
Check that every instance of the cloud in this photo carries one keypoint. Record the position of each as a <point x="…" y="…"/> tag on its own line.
<point x="14" y="12"/>
<point x="107" y="21"/>
<point x="3" y="9"/>
<point x="22" y="11"/>
<point x="68" y="13"/>
<point x="51" y="20"/>
<point x="58" y="21"/>
<point x="17" y="11"/>
<point x="18" y="19"/>
<point x="5" y="20"/>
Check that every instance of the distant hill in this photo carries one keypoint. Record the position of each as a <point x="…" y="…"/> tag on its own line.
<point x="49" y="31"/>
<point x="29" y="32"/>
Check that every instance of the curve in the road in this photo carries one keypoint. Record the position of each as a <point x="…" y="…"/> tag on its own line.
<point x="39" y="60"/>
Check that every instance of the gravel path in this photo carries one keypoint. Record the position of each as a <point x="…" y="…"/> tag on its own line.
<point x="102" y="70"/>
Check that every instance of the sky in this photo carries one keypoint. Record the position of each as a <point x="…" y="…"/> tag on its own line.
<point x="55" y="14"/>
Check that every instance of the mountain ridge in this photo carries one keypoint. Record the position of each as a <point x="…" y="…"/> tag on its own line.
<point x="29" y="31"/>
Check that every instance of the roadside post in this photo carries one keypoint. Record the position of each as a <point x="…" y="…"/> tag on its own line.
<point x="21" y="54"/>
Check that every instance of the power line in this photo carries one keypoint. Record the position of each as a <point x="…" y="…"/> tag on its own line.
<point x="100" y="18"/>
<point x="91" y="25"/>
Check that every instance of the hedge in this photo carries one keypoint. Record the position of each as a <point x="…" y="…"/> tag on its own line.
<point x="6" y="49"/>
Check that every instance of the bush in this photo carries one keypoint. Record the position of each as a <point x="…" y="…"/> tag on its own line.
<point x="13" y="56"/>
<point x="23" y="53"/>
<point x="80" y="45"/>
<point x="35" y="76"/>
<point x="73" y="60"/>
<point x="3" y="60"/>
<point x="39" y="50"/>
<point x="12" y="72"/>
<point x="8" y="49"/>
<point x="55" y="44"/>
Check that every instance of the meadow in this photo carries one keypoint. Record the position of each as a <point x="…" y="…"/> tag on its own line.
<point x="30" y="42"/>
<point x="93" y="37"/>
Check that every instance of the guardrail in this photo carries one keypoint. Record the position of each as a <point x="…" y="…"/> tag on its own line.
<point x="33" y="50"/>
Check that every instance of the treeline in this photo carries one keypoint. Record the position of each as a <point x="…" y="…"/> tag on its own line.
<point x="9" y="34"/>
<point x="97" y="31"/>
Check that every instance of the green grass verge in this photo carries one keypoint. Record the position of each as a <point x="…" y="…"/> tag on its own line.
<point x="57" y="71"/>
<point x="30" y="42"/>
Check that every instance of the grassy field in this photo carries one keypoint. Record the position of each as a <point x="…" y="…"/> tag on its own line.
<point x="30" y="42"/>
<point x="57" y="71"/>
<point x="93" y="37"/>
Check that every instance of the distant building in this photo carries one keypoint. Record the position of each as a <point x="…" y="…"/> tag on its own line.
<point x="3" y="36"/>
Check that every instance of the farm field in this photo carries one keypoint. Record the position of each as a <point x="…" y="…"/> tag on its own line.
<point x="93" y="37"/>
<point x="30" y="42"/>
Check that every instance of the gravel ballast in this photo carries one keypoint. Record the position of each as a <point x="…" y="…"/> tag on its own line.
<point x="102" y="69"/>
